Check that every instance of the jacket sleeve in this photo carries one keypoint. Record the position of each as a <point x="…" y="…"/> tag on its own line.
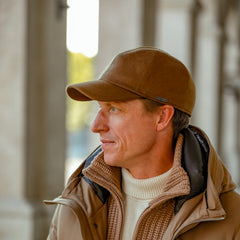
<point x="237" y="234"/>
<point x="64" y="225"/>
<point x="53" y="227"/>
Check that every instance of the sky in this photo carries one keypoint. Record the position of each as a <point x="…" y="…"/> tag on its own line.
<point x="82" y="26"/>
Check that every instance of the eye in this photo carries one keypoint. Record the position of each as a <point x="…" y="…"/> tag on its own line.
<point x="113" y="109"/>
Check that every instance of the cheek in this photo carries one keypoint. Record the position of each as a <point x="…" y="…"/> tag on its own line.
<point x="139" y="134"/>
<point x="132" y="131"/>
<point x="123" y="133"/>
<point x="145" y="132"/>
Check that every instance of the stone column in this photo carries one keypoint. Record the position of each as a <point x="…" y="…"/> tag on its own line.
<point x="149" y="16"/>
<point x="119" y="29"/>
<point x="173" y="28"/>
<point x="206" y="75"/>
<point x="15" y="212"/>
<point x="32" y="103"/>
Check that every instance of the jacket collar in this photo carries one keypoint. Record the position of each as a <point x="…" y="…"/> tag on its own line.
<point x="104" y="178"/>
<point x="218" y="178"/>
<point x="204" y="206"/>
<point x="204" y="169"/>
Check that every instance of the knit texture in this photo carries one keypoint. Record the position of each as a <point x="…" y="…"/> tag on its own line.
<point x="148" y="188"/>
<point x="137" y="194"/>
<point x="155" y="222"/>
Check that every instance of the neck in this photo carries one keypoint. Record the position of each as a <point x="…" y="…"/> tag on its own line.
<point x="158" y="163"/>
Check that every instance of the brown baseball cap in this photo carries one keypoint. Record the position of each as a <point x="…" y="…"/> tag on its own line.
<point x="143" y="72"/>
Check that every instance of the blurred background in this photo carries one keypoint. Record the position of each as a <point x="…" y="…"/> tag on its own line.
<point x="47" y="44"/>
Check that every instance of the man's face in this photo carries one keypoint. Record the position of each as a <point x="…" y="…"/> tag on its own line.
<point x="127" y="132"/>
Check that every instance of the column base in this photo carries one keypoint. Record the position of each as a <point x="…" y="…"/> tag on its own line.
<point x="24" y="219"/>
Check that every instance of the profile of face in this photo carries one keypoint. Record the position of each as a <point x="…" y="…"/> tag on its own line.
<point x="128" y="133"/>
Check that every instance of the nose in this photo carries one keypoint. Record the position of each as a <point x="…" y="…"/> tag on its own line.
<point x="100" y="123"/>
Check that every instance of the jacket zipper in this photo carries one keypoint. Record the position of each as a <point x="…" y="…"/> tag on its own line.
<point x="161" y="201"/>
<point x="197" y="221"/>
<point x="114" y="193"/>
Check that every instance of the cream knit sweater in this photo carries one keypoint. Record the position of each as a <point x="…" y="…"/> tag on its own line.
<point x="137" y="194"/>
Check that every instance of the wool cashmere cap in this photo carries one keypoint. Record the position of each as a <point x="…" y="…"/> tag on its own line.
<point x="144" y="72"/>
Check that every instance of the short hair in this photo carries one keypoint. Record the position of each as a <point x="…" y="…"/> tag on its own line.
<point x="180" y="120"/>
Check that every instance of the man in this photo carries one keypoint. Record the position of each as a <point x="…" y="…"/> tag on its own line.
<point x="154" y="176"/>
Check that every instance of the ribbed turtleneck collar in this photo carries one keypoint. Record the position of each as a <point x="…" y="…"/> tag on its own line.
<point x="143" y="188"/>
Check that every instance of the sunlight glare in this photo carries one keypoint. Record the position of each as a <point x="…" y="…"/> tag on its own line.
<point x="82" y="27"/>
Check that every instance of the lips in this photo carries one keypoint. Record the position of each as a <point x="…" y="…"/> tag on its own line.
<point x="106" y="143"/>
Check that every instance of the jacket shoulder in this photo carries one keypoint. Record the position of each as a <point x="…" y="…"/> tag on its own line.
<point x="231" y="202"/>
<point x="64" y="225"/>
<point x="79" y="215"/>
<point x="227" y="229"/>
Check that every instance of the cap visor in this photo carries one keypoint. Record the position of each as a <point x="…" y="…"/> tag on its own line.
<point x="99" y="90"/>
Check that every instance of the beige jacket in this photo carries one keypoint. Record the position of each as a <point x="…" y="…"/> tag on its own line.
<point x="91" y="206"/>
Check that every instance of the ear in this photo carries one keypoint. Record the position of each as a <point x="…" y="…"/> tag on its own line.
<point x="165" y="115"/>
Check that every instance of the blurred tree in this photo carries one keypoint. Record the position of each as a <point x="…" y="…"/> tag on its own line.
<point x="79" y="69"/>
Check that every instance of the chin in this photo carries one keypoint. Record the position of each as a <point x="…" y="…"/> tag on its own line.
<point x="112" y="161"/>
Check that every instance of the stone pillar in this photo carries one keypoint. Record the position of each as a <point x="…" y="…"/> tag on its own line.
<point x="119" y="29"/>
<point x="149" y="16"/>
<point x="230" y="141"/>
<point x="206" y="75"/>
<point x="15" y="212"/>
<point x="173" y="28"/>
<point x="32" y="103"/>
